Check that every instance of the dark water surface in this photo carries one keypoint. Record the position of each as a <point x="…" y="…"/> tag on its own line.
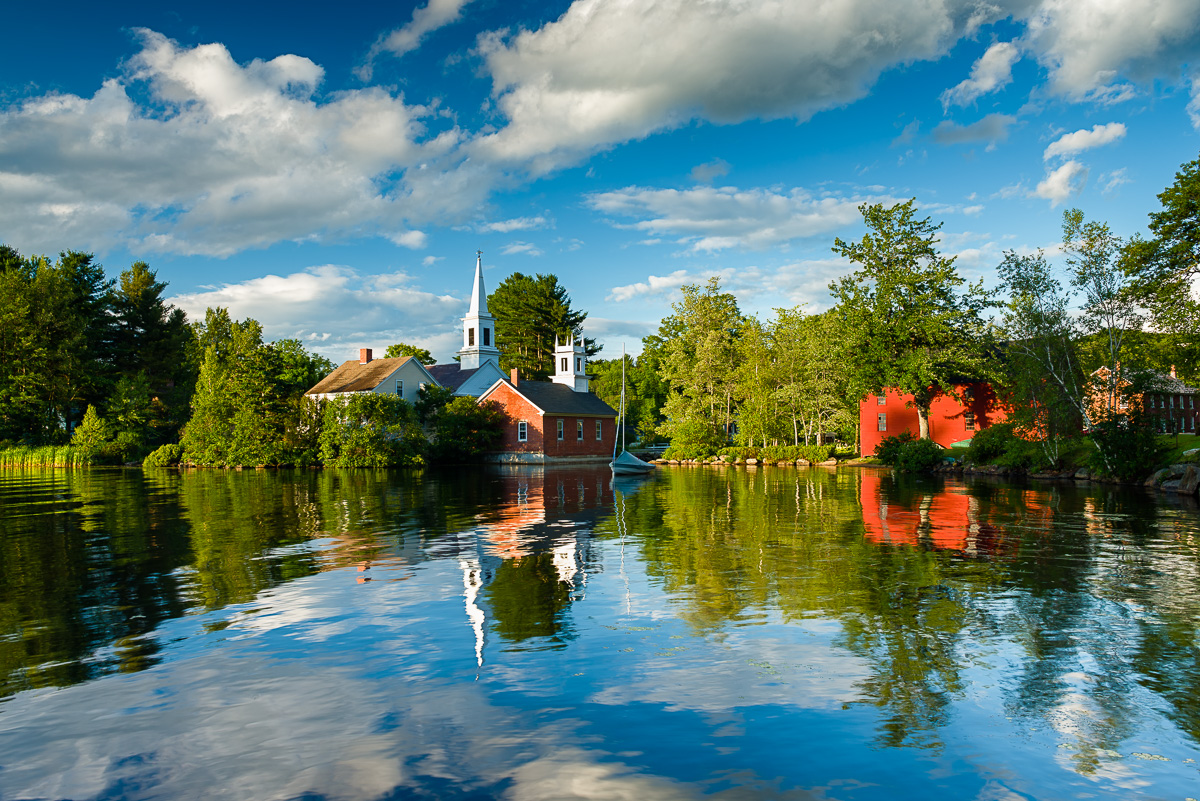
<point x="540" y="634"/>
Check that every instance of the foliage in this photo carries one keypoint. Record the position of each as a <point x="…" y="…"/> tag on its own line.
<point x="370" y="429"/>
<point x="645" y="390"/>
<point x="95" y="437"/>
<point x="905" y="320"/>
<point x="888" y="449"/>
<point x="1127" y="447"/>
<point x="431" y="399"/>
<point x="919" y="456"/>
<point x="698" y="358"/>
<point x="23" y="456"/>
<point x="1164" y="268"/>
<point x="169" y="455"/>
<point x="464" y="430"/>
<point x="815" y="454"/>
<point x="697" y="437"/>
<point x="990" y="443"/>
<point x="401" y="349"/>
<point x="531" y="312"/>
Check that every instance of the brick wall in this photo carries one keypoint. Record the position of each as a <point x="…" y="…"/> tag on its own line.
<point x="543" y="433"/>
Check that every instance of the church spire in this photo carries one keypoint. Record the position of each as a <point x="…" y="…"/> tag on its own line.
<point x="478" y="293"/>
<point x="479" y="327"/>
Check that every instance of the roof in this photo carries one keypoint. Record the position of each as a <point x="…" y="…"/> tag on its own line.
<point x="554" y="398"/>
<point x="1168" y="385"/>
<point x="353" y="376"/>
<point x="451" y="375"/>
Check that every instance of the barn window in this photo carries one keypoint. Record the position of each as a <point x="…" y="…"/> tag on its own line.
<point x="969" y="420"/>
<point x="522" y="431"/>
<point x="883" y="421"/>
<point x="880" y="400"/>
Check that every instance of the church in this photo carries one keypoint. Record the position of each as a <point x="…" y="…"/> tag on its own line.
<point x="559" y="420"/>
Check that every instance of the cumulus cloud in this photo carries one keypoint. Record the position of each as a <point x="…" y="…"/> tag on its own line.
<point x="1084" y="139"/>
<point x="1090" y="47"/>
<point x="705" y="173"/>
<point x="521" y="248"/>
<point x="608" y="71"/>
<point x="710" y="219"/>
<point x="1062" y="183"/>
<point x="336" y="308"/>
<point x="993" y="71"/>
<point x="426" y="19"/>
<point x="515" y="224"/>
<point x="190" y="152"/>
<point x="991" y="129"/>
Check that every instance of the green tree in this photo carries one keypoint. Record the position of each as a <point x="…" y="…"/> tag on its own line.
<point x="903" y="314"/>
<point x="400" y="349"/>
<point x="370" y="429"/>
<point x="464" y="429"/>
<point x="1164" y="267"/>
<point x="698" y="361"/>
<point x="531" y="313"/>
<point x="645" y="391"/>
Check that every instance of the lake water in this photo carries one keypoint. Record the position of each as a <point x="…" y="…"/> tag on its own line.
<point x="540" y="634"/>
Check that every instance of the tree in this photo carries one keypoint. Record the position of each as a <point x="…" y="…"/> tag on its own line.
<point x="1164" y="267"/>
<point x="645" y="391"/>
<point x="532" y="312"/>
<point x="904" y="318"/>
<point x="464" y="429"/>
<point x="698" y="360"/>
<point x="400" y="349"/>
<point x="370" y="429"/>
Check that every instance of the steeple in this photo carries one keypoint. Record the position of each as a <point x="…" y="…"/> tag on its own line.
<point x="479" y="327"/>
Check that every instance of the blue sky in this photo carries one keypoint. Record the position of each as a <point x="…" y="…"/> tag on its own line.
<point x="332" y="172"/>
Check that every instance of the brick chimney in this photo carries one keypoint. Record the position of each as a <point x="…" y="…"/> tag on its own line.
<point x="1173" y="372"/>
<point x="514" y="377"/>
<point x="364" y="355"/>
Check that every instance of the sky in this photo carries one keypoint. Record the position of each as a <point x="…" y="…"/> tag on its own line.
<point x="331" y="172"/>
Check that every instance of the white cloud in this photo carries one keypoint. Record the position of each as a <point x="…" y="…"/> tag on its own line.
<point x="653" y="285"/>
<point x="521" y="248"/>
<point x="426" y="19"/>
<point x="515" y="224"/>
<point x="608" y="71"/>
<point x="711" y="218"/>
<point x="705" y="173"/>
<point x="337" y="307"/>
<point x="991" y="129"/>
<point x="1091" y="46"/>
<point x="1063" y="182"/>
<point x="414" y="240"/>
<point x="993" y="71"/>
<point x="193" y="153"/>
<point x="1084" y="139"/>
<point x="1114" y="179"/>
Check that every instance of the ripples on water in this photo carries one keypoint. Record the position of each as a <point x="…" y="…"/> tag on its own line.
<point x="540" y="634"/>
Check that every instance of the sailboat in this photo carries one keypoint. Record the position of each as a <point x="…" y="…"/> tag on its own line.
<point x="625" y="463"/>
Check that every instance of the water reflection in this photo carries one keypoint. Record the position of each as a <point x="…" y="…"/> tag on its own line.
<point x="543" y="634"/>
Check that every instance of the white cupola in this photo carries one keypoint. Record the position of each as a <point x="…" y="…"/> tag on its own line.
<point x="479" y="327"/>
<point x="570" y="364"/>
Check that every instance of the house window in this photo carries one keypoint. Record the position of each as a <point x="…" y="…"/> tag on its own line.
<point x="578" y="365"/>
<point x="969" y="420"/>
<point x="487" y="337"/>
<point x="598" y="430"/>
<point x="1191" y="401"/>
<point x="470" y="337"/>
<point x="579" y="431"/>
<point x="880" y="400"/>
<point x="522" y="431"/>
<point x="1172" y="401"/>
<point x="564" y="365"/>
<point x="399" y="387"/>
<point x="560" y="430"/>
<point x="883" y="421"/>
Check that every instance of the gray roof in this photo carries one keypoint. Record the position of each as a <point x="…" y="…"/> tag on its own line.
<point x="1169" y="385"/>
<point x="451" y="375"/>
<point x="556" y="399"/>
<point x="353" y="376"/>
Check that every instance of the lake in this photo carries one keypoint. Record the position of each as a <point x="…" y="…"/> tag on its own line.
<point x="542" y="634"/>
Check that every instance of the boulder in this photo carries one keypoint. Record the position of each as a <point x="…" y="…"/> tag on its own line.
<point x="1190" y="481"/>
<point x="1082" y="474"/>
<point x="829" y="463"/>
<point x="1169" y="486"/>
<point x="802" y="463"/>
<point x="1192" y="452"/>
<point x="1158" y="477"/>
<point x="751" y="460"/>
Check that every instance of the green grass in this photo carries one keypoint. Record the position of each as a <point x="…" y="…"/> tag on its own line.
<point x="1185" y="443"/>
<point x="45" y="456"/>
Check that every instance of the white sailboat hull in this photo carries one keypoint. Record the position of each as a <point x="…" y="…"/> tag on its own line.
<point x="626" y="464"/>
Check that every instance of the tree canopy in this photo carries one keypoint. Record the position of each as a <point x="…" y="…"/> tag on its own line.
<point x="531" y="312"/>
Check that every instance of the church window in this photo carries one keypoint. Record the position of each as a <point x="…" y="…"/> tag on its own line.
<point x="470" y="337"/>
<point x="578" y="365"/>
<point x="564" y="365"/>
<point x="487" y="337"/>
<point x="560" y="429"/>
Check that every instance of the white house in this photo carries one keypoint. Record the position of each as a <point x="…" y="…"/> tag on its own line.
<point x="402" y="377"/>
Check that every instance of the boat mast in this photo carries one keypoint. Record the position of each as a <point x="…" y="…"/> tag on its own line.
<point x="622" y="397"/>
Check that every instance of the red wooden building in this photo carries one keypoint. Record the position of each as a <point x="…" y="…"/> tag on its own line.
<point x="950" y="421"/>
<point x="556" y="420"/>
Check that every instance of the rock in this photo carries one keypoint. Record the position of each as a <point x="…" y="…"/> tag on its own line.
<point x="802" y="463"/>
<point x="1190" y="481"/>
<point x="783" y="464"/>
<point x="1157" y="477"/>
<point x="751" y="460"/>
<point x="1169" y="486"/>
<point x="673" y="461"/>
<point x="829" y="463"/>
<point x="1191" y="452"/>
<point x="1082" y="474"/>
<point x="1177" y="470"/>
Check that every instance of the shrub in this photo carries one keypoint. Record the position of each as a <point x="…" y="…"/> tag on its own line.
<point x="371" y="430"/>
<point x="1127" y="448"/>
<point x="465" y="429"/>
<point x="780" y="453"/>
<point x="991" y="443"/>
<point x="164" y="456"/>
<point x="919" y="456"/>
<point x="888" y="449"/>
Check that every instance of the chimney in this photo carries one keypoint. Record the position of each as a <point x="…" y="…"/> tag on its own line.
<point x="514" y="377"/>
<point x="364" y="355"/>
<point x="1173" y="371"/>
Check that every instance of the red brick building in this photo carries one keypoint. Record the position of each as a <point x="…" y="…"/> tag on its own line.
<point x="950" y="421"/>
<point x="556" y="420"/>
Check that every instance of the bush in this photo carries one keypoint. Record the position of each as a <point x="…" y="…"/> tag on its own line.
<point x="919" y="456"/>
<point x="888" y="449"/>
<point x="465" y="429"/>
<point x="1127" y="448"/>
<point x="991" y="443"/>
<point x="371" y="430"/>
<point x="780" y="453"/>
<point x="164" y="456"/>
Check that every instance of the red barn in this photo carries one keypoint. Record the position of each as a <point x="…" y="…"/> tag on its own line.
<point x="557" y="420"/>
<point x="950" y="421"/>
